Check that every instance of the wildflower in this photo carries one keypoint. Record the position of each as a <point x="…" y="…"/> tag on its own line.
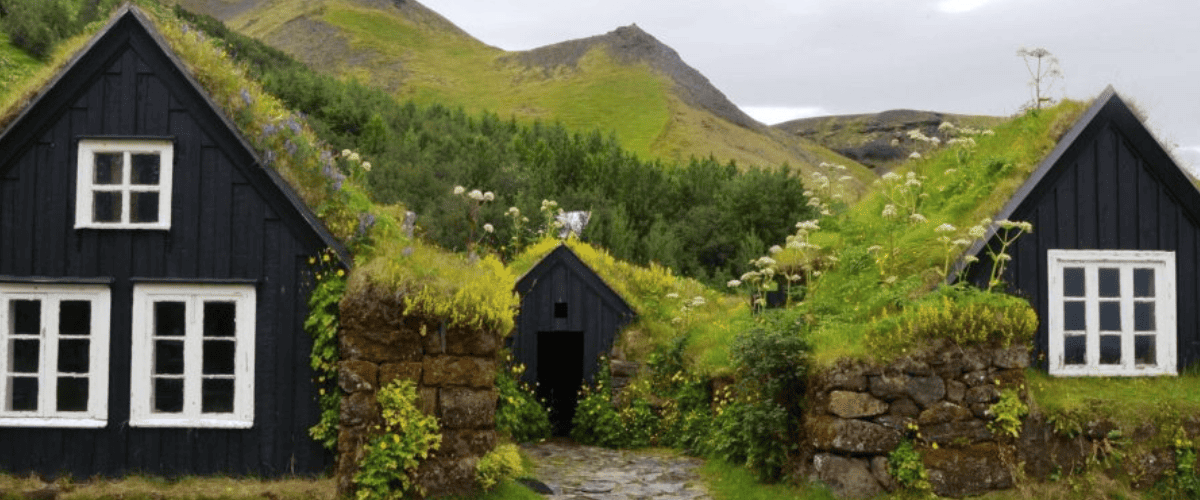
<point x="458" y="190"/>
<point x="917" y="218"/>
<point x="345" y="153"/>
<point x="749" y="275"/>
<point x="489" y="196"/>
<point x="487" y="228"/>
<point x="366" y="166"/>
<point x="914" y="156"/>
<point x="514" y="212"/>
<point x="977" y="232"/>
<point x="890" y="279"/>
<point x="355" y="158"/>
<point x="962" y="242"/>
<point x="945" y="228"/>
<point x="895" y="142"/>
<point x="672" y="295"/>
<point x="476" y="195"/>
<point x="970" y="259"/>
<point x="698" y="301"/>
<point x="951" y="171"/>
<point x="814" y="202"/>
<point x="809" y="225"/>
<point x="776" y="249"/>
<point x="889" y="210"/>
<point x="935" y="141"/>
<point x="765" y="261"/>
<point x="845" y="178"/>
<point x="891" y="176"/>
<point x="946" y="126"/>
<point x="733" y="283"/>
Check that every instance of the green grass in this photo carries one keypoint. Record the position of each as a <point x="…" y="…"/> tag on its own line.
<point x="1128" y="402"/>
<point x="185" y="488"/>
<point x="731" y="482"/>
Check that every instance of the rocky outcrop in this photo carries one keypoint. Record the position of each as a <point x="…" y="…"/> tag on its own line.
<point x="454" y="369"/>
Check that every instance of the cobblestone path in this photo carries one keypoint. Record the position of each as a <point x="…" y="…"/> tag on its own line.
<point x="575" y="472"/>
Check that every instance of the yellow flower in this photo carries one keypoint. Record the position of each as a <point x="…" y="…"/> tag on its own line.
<point x="341" y="272"/>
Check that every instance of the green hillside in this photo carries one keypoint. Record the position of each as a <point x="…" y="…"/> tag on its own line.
<point x="657" y="107"/>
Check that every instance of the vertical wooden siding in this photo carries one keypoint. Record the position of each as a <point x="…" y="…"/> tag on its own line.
<point x="225" y="225"/>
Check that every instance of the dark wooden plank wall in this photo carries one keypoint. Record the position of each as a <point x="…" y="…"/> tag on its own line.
<point x="1104" y="197"/>
<point x="588" y="311"/>
<point x="223" y="227"/>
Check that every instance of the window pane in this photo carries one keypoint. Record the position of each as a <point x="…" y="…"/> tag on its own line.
<point x="1110" y="349"/>
<point x="1074" y="349"/>
<point x="1143" y="316"/>
<point x="74" y="317"/>
<point x="26" y="317"/>
<point x="73" y="355"/>
<point x="1110" y="316"/>
<point x="1144" y="352"/>
<point x="168" y="357"/>
<point x="22" y="394"/>
<point x="25" y="355"/>
<point x="72" y="394"/>
<point x="108" y="168"/>
<point x="219" y="319"/>
<point x="1143" y="282"/>
<point x="1073" y="282"/>
<point x="168" y="395"/>
<point x="143" y="207"/>
<point x="217" y="395"/>
<point x="169" y="319"/>
<point x="218" y="357"/>
<point x="145" y="169"/>
<point x="1110" y="282"/>
<point x="106" y="206"/>
<point x="1074" y="316"/>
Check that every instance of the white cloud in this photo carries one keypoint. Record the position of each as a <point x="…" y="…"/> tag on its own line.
<point x="957" y="6"/>
<point x="771" y="115"/>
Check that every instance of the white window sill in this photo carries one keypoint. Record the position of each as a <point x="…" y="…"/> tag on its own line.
<point x="1149" y="371"/>
<point x="89" y="423"/>
<point x="213" y="423"/>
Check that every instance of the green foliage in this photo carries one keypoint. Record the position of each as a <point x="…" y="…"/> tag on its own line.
<point x="519" y="413"/>
<point x="406" y="437"/>
<point x="498" y="465"/>
<point x="1008" y="411"/>
<point x="686" y="419"/>
<point x="755" y="433"/>
<point x="322" y="324"/>
<point x="733" y="482"/>
<point x="960" y="313"/>
<point x="904" y="463"/>
<point x="1183" y="482"/>
<point x="599" y="422"/>
<point x="36" y="25"/>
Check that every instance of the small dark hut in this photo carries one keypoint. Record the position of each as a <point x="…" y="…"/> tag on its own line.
<point x="1111" y="265"/>
<point x="152" y="279"/>
<point x="569" y="318"/>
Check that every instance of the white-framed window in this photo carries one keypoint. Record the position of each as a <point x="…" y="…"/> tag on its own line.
<point x="1111" y="312"/>
<point x="54" y="355"/>
<point x="193" y="356"/>
<point x="124" y="184"/>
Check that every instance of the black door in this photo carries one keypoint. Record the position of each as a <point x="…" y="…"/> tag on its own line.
<point x="560" y="375"/>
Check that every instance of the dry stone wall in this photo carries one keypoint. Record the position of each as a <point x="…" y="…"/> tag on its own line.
<point x="859" y="412"/>
<point x="454" y="369"/>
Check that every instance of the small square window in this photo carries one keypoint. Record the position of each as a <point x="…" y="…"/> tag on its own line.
<point x="124" y="184"/>
<point x="560" y="309"/>
<point x="1111" y="312"/>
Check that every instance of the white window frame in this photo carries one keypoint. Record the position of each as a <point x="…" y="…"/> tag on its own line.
<point x="86" y="187"/>
<point x="50" y="296"/>
<point x="141" y="413"/>
<point x="1163" y="263"/>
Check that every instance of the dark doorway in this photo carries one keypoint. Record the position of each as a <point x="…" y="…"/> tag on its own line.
<point x="560" y="374"/>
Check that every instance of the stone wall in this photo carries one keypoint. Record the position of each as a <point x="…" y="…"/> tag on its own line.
<point x="455" y="373"/>
<point x="859" y="412"/>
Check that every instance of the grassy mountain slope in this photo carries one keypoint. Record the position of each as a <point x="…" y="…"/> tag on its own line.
<point x="624" y="81"/>
<point x="880" y="140"/>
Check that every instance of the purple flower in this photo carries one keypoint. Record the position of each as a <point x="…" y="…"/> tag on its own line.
<point x="268" y="129"/>
<point x="293" y="124"/>
<point x="246" y="97"/>
<point x="366" y="221"/>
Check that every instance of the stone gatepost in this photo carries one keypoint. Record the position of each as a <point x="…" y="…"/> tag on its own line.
<point x="455" y="373"/>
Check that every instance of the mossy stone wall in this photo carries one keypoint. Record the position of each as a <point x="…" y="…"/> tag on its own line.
<point x="454" y="369"/>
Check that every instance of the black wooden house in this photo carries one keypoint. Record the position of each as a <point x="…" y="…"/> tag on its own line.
<point x="152" y="290"/>
<point x="569" y="318"/>
<point x="1111" y="265"/>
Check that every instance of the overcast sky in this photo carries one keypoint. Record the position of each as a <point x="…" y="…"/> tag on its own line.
<point x="784" y="59"/>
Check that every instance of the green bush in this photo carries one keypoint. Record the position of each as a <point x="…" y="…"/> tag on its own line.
<point x="961" y="313"/>
<point x="904" y="463"/>
<point x="406" y="436"/>
<point x="599" y="422"/>
<point x="519" y="413"/>
<point x="755" y="433"/>
<point x="498" y="465"/>
<point x="686" y="420"/>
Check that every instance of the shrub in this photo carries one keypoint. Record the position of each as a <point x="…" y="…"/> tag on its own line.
<point x="392" y="457"/>
<point x="961" y="313"/>
<point x="904" y="463"/>
<point x="600" y="422"/>
<point x="518" y="411"/>
<point x="36" y="25"/>
<point x="498" y="465"/>
<point x="755" y="433"/>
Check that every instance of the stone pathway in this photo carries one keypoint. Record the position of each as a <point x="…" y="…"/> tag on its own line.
<point x="575" y="472"/>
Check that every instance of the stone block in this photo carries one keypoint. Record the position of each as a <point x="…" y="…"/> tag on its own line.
<point x="1150" y="467"/>
<point x="457" y="443"/>
<point x="957" y="433"/>
<point x="848" y="376"/>
<point x="848" y="404"/>
<point x="879" y="469"/>
<point x="943" y="412"/>
<point x="896" y="422"/>
<point x="986" y="394"/>
<point x="926" y="391"/>
<point x="955" y="391"/>
<point x="889" y="387"/>
<point x="459" y="371"/>
<point x="976" y="359"/>
<point x="442" y="477"/>
<point x="982" y="410"/>
<point x="904" y="407"/>
<point x="972" y="470"/>
<point x="625" y="369"/>
<point x="465" y="408"/>
<point x="389" y="372"/>
<point x="359" y="408"/>
<point x="1015" y="357"/>
<point x="357" y="376"/>
<point x="359" y="347"/>
<point x="429" y="400"/>
<point x="977" y="378"/>
<point x="846" y="477"/>
<point x="851" y="436"/>
<point x="471" y="342"/>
